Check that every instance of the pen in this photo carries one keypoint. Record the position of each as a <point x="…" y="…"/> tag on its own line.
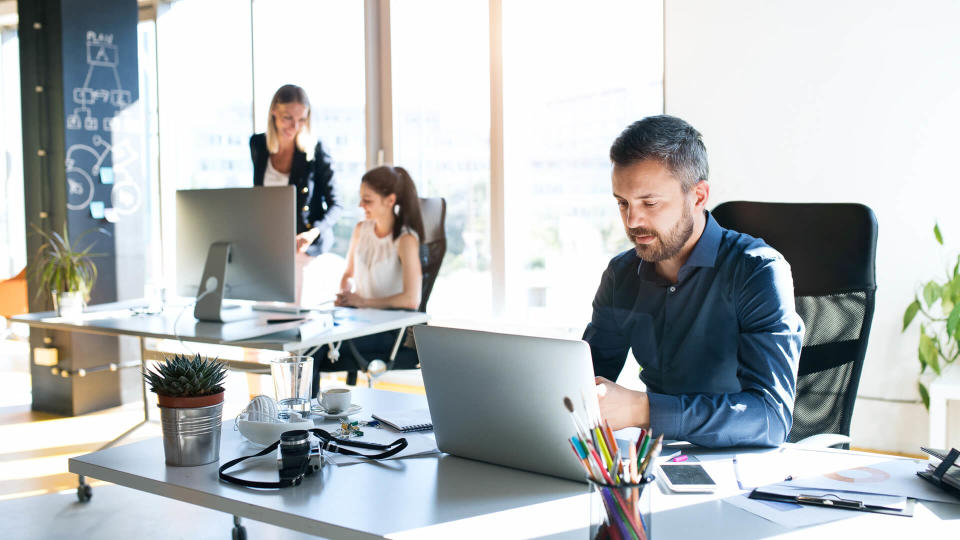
<point x="651" y="455"/>
<point x="603" y="448"/>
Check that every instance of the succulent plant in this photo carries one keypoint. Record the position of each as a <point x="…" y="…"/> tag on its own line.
<point x="182" y="376"/>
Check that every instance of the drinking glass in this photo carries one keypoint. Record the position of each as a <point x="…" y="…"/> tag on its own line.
<point x="291" y="382"/>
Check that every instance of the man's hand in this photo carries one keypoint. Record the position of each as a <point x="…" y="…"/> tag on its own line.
<point x="306" y="238"/>
<point x="622" y="407"/>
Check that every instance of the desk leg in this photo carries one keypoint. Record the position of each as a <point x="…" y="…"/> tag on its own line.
<point x="396" y="344"/>
<point x="84" y="491"/>
<point x="239" y="531"/>
<point x="143" y="382"/>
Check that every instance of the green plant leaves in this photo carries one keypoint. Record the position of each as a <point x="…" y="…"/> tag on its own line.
<point x="180" y="376"/>
<point x="924" y="395"/>
<point x="928" y="351"/>
<point x="911" y="312"/>
<point x="59" y="268"/>
<point x="953" y="321"/>
<point x="936" y="233"/>
<point x="931" y="292"/>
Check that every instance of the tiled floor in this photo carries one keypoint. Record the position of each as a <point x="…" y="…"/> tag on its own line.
<point x="38" y="496"/>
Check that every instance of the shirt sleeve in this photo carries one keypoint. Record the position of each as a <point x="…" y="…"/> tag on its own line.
<point x="761" y="414"/>
<point x="608" y="344"/>
<point x="324" y="192"/>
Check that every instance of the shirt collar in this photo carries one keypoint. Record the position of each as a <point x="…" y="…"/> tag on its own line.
<point x="703" y="254"/>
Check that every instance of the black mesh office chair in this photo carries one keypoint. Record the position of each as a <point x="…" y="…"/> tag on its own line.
<point x="432" y="249"/>
<point x="832" y="251"/>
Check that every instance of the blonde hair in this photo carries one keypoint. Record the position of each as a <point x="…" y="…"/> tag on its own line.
<point x="289" y="93"/>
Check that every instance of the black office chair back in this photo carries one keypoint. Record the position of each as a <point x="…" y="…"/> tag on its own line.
<point x="434" y="244"/>
<point x="832" y="252"/>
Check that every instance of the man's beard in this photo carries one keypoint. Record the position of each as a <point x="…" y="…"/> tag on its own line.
<point x="663" y="247"/>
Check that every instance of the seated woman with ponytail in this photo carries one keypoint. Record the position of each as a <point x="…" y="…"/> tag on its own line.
<point x="383" y="261"/>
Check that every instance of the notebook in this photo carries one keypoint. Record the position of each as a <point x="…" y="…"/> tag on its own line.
<point x="407" y="421"/>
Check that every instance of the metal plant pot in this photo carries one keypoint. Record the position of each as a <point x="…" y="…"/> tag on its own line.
<point x="68" y="304"/>
<point x="191" y="436"/>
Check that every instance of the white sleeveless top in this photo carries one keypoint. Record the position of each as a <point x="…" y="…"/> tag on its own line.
<point x="273" y="177"/>
<point x="377" y="271"/>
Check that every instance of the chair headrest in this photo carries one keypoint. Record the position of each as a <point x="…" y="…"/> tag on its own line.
<point x="434" y="211"/>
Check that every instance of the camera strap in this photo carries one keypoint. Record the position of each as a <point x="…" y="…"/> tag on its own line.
<point x="328" y="443"/>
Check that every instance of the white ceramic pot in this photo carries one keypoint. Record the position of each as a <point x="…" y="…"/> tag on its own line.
<point x="68" y="304"/>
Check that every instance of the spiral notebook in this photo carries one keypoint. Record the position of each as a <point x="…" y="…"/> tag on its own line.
<point x="407" y="421"/>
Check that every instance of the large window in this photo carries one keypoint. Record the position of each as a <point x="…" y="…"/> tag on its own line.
<point x="12" y="228"/>
<point x="441" y="106"/>
<point x="319" y="46"/>
<point x="205" y="102"/>
<point x="573" y="79"/>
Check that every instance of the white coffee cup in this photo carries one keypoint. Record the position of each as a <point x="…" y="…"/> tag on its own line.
<point x="336" y="400"/>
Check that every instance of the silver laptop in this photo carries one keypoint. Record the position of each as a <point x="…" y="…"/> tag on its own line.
<point x="499" y="398"/>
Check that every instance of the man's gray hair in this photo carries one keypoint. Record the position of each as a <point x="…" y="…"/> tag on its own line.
<point x="667" y="139"/>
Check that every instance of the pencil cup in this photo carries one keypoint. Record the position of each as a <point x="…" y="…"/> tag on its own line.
<point x="620" y="511"/>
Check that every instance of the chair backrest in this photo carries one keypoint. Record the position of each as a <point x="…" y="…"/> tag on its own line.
<point x="434" y="244"/>
<point x="832" y="249"/>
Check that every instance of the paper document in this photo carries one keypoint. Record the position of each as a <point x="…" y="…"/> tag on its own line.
<point x="883" y="476"/>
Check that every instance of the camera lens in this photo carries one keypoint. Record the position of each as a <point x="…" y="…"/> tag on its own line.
<point x="294" y="455"/>
<point x="294" y="437"/>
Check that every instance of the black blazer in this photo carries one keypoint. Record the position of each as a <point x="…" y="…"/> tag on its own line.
<point x="318" y="205"/>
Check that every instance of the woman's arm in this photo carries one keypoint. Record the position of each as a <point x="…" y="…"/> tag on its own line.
<point x="409" y="251"/>
<point x="324" y="194"/>
<point x="348" y="271"/>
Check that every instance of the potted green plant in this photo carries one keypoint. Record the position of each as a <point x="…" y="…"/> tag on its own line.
<point x="938" y="306"/>
<point x="66" y="273"/>
<point x="190" y="398"/>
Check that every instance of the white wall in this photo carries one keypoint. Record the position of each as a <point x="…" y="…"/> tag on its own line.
<point x="837" y="101"/>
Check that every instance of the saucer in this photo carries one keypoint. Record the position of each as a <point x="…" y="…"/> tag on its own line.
<point x="319" y="411"/>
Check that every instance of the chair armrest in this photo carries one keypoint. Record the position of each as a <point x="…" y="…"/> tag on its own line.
<point x="824" y="440"/>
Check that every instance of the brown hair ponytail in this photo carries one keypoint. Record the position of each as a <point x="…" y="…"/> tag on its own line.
<point x="386" y="181"/>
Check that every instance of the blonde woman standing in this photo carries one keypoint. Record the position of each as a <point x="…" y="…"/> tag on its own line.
<point x="280" y="158"/>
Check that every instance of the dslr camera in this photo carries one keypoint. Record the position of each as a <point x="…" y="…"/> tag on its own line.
<point x="295" y="459"/>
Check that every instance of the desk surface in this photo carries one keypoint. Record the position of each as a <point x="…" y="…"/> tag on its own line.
<point x="448" y="497"/>
<point x="115" y="318"/>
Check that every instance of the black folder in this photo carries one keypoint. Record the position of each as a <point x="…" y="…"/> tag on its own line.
<point x="946" y="475"/>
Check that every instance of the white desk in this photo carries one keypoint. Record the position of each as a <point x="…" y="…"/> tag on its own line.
<point x="116" y="319"/>
<point x="448" y="497"/>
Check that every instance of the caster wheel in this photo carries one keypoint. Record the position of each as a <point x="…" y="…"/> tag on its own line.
<point x="239" y="533"/>
<point x="84" y="493"/>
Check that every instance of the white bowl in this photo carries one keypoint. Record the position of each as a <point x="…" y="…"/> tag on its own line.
<point x="267" y="433"/>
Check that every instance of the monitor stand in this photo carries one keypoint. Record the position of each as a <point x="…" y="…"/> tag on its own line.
<point x="209" y="305"/>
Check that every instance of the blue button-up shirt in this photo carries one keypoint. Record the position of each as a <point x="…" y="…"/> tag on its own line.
<point x="718" y="349"/>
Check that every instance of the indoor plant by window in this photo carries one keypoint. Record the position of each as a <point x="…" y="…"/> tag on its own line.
<point x="938" y="305"/>
<point x="191" y="405"/>
<point x="67" y="274"/>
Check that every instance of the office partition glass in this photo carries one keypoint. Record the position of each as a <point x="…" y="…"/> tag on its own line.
<point x="318" y="45"/>
<point x="441" y="110"/>
<point x="13" y="254"/>
<point x="573" y="79"/>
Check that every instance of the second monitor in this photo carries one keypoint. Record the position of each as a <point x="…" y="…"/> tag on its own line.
<point x="237" y="243"/>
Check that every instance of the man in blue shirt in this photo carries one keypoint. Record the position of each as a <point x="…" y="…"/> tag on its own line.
<point x="708" y="312"/>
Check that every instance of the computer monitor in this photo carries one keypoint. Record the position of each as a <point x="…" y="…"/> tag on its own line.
<point x="236" y="243"/>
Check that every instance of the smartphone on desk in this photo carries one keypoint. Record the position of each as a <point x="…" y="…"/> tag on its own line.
<point x="687" y="478"/>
